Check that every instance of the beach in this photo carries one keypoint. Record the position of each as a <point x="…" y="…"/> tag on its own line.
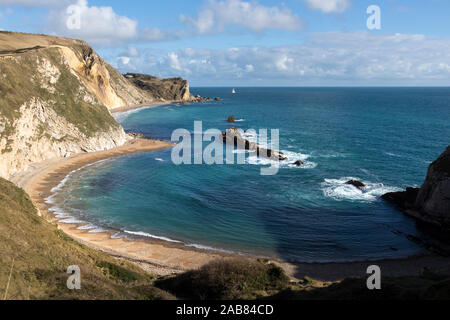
<point x="143" y="105"/>
<point x="155" y="256"/>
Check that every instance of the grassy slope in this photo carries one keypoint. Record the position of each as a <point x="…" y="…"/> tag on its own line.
<point x="42" y="254"/>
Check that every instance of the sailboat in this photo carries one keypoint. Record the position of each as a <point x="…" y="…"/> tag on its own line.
<point x="233" y="91"/>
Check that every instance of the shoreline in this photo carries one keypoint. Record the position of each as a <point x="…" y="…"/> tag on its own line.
<point x="153" y="255"/>
<point x="143" y="105"/>
<point x="162" y="257"/>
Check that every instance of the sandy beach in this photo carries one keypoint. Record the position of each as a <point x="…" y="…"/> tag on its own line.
<point x="154" y="256"/>
<point x="163" y="258"/>
<point x="143" y="105"/>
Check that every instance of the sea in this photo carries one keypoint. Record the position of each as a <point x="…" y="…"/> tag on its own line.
<point x="384" y="137"/>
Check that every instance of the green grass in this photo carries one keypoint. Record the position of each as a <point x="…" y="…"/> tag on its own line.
<point x="42" y="254"/>
<point x="19" y="83"/>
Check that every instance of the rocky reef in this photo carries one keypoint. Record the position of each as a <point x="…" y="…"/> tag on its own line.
<point x="431" y="202"/>
<point x="233" y="137"/>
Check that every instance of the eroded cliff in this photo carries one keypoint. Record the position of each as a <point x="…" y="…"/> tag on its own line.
<point x="54" y="99"/>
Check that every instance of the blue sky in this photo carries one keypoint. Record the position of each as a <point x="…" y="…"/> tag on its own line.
<point x="255" y="42"/>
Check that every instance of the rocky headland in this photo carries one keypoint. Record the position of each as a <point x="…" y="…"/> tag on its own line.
<point x="431" y="202"/>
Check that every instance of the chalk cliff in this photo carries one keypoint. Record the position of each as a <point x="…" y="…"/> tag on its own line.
<point x="55" y="96"/>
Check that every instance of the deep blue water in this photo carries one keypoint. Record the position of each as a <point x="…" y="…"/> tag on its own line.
<point x="385" y="137"/>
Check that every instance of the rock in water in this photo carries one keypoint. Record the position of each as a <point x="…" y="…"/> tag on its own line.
<point x="217" y="99"/>
<point x="231" y="119"/>
<point x="430" y="203"/>
<point x="299" y="163"/>
<point x="233" y="136"/>
<point x="403" y="199"/>
<point x="356" y="183"/>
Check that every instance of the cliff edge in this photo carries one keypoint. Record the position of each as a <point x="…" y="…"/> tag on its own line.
<point x="55" y="96"/>
<point x="430" y="203"/>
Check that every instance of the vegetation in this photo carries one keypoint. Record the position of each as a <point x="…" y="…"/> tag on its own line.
<point x="38" y="255"/>
<point x="20" y="82"/>
<point x="227" y="279"/>
<point x="428" y="286"/>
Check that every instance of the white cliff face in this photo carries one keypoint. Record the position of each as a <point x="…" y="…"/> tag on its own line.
<point x="41" y="134"/>
<point x="54" y="104"/>
<point x="54" y="99"/>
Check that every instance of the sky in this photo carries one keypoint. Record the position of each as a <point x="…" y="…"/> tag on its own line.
<point x="255" y="42"/>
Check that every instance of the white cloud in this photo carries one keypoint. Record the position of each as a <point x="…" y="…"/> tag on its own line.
<point x="133" y="52"/>
<point x="336" y="58"/>
<point x="218" y="15"/>
<point x="329" y="6"/>
<point x="173" y="61"/>
<point x="249" y="68"/>
<point x="97" y="25"/>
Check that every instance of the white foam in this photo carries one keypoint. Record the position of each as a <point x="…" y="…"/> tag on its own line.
<point x="87" y="227"/>
<point x="393" y="154"/>
<point x="202" y="247"/>
<point x="239" y="120"/>
<point x="338" y="190"/>
<point x="148" y="235"/>
<point x="54" y="190"/>
<point x="71" y="220"/>
<point x="159" y="159"/>
<point x="290" y="163"/>
<point x="98" y="230"/>
<point x="121" y="116"/>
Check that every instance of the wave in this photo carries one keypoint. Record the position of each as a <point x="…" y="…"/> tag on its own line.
<point x="338" y="190"/>
<point x="202" y="247"/>
<point x="121" y="116"/>
<point x="148" y="235"/>
<point x="291" y="155"/>
<point x="393" y="154"/>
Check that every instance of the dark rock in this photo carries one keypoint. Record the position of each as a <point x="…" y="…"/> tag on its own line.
<point x="356" y="183"/>
<point x="402" y="199"/>
<point x="298" y="163"/>
<point x="233" y="136"/>
<point x="231" y="119"/>
<point x="430" y="203"/>
<point x="217" y="99"/>
<point x="433" y="200"/>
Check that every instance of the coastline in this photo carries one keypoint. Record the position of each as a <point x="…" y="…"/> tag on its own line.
<point x="142" y="105"/>
<point x="162" y="257"/>
<point x="153" y="255"/>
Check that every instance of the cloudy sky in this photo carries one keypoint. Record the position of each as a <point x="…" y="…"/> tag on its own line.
<point x="254" y="42"/>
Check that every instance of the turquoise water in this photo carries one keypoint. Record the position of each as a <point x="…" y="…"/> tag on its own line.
<point x="385" y="137"/>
